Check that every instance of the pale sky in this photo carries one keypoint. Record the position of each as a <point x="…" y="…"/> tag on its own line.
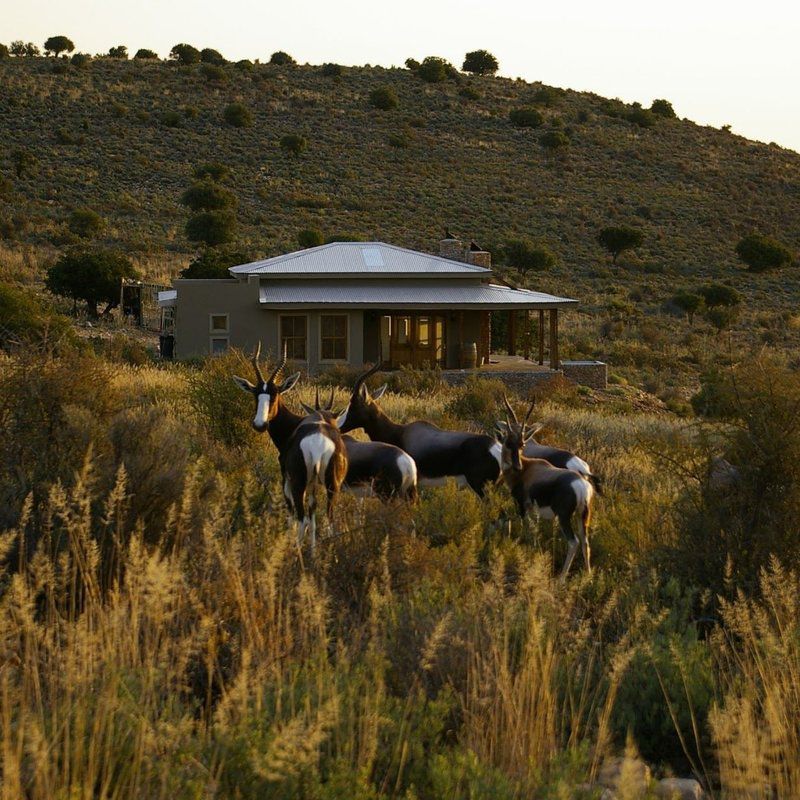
<point x="717" y="62"/>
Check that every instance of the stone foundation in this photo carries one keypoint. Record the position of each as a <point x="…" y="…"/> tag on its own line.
<point x="593" y="374"/>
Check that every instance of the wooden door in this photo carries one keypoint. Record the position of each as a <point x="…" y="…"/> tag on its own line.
<point x="416" y="340"/>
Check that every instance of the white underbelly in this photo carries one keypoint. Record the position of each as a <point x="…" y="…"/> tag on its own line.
<point x="545" y="512"/>
<point x="459" y="479"/>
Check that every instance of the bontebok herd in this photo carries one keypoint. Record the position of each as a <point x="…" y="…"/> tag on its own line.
<point x="315" y="451"/>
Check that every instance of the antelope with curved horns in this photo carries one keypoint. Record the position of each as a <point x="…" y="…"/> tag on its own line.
<point x="372" y="466"/>
<point x="472" y="458"/>
<point x="556" y="492"/>
<point x="555" y="455"/>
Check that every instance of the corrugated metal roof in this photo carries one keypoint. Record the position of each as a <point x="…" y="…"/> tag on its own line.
<point x="358" y="258"/>
<point x="481" y="295"/>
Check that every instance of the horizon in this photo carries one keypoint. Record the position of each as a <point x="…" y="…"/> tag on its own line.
<point x="719" y="70"/>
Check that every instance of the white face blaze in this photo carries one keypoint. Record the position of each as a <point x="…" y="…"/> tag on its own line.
<point x="342" y="418"/>
<point x="262" y="409"/>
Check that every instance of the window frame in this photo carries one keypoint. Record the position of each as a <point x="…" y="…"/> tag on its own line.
<point x="226" y="330"/>
<point x="346" y="359"/>
<point x="281" y="317"/>
<point x="212" y="339"/>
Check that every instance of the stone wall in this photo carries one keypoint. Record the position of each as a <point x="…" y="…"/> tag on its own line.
<point x="593" y="374"/>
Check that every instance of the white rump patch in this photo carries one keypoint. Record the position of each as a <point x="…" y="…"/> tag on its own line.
<point x="262" y="410"/>
<point x="584" y="491"/>
<point x="408" y="469"/>
<point x="342" y="418"/>
<point x="497" y="451"/>
<point x="317" y="450"/>
<point x="579" y="465"/>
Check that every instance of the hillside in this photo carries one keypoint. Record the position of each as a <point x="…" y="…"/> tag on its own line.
<point x="101" y="137"/>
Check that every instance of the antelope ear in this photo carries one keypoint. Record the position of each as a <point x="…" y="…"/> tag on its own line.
<point x="335" y="417"/>
<point x="308" y="409"/>
<point x="500" y="430"/>
<point x="289" y="383"/>
<point x="243" y="384"/>
<point x="378" y="393"/>
<point x="534" y="428"/>
<point x="363" y="391"/>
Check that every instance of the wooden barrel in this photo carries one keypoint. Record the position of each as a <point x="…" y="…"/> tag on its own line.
<point x="469" y="355"/>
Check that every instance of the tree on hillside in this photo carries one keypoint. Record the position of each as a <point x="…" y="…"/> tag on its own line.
<point x="211" y="227"/>
<point x="92" y="276"/>
<point x="4" y="51"/>
<point x="80" y="60"/>
<point x="435" y="70"/>
<point x="57" y="45"/>
<point x="526" y="117"/>
<point x="718" y="295"/>
<point x="618" y="239"/>
<point x="761" y="253"/>
<point x="662" y="108"/>
<point x="144" y="53"/>
<point x="184" y="54"/>
<point x="210" y="56"/>
<point x="643" y="117"/>
<point x="412" y="64"/>
<point x="281" y="59"/>
<point x="480" y="62"/>
<point x="688" y="302"/>
<point x="20" y="48"/>
<point x="206" y="195"/>
<point x="120" y="51"/>
<point x="525" y="255"/>
<point x="215" y="262"/>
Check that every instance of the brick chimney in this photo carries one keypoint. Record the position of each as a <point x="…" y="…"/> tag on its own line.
<point x="452" y="249"/>
<point x="455" y="250"/>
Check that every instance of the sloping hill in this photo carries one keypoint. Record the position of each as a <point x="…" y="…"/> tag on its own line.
<point x="101" y="138"/>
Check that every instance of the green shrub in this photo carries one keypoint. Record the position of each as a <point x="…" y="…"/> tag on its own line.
<point x="213" y="73"/>
<point x="718" y="294"/>
<point x="293" y="144"/>
<point x="211" y="56"/>
<point x="206" y="195"/>
<point x="526" y="117"/>
<point x="59" y="68"/>
<point x="762" y="253"/>
<point x="554" y="140"/>
<point x="24" y="161"/>
<point x="525" y="255"/>
<point x="171" y="119"/>
<point x="310" y="237"/>
<point x="688" y="302"/>
<point x="480" y="62"/>
<point x="4" y="52"/>
<point x="85" y="223"/>
<point x="214" y="262"/>
<point x="245" y="65"/>
<point x="211" y="227"/>
<point x="237" y="115"/>
<point x="80" y="60"/>
<point x="476" y="402"/>
<point x="184" y="54"/>
<point x="618" y="239"/>
<point x="212" y="170"/>
<point x="547" y="95"/>
<point x="642" y="117"/>
<point x="412" y="64"/>
<point x="91" y="275"/>
<point x="20" y="48"/>
<point x="399" y="140"/>
<point x="469" y="93"/>
<point x="435" y="70"/>
<point x="57" y="45"/>
<point x="331" y="70"/>
<point x="722" y="317"/>
<point x="120" y="52"/>
<point x="145" y="54"/>
<point x="662" y="108"/>
<point x="26" y="320"/>
<point x="281" y="59"/>
<point x="124" y="349"/>
<point x="383" y="98"/>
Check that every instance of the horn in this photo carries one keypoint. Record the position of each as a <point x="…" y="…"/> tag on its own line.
<point x="329" y="407"/>
<point x="364" y="375"/>
<point x="530" y="409"/>
<point x="316" y="400"/>
<point x="255" y="363"/>
<point x="510" y="410"/>
<point x="281" y="365"/>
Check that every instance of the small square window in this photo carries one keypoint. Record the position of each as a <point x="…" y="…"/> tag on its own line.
<point x="218" y="323"/>
<point x="219" y="345"/>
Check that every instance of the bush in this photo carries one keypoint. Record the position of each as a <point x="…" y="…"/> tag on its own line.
<point x="547" y="95"/>
<point x="310" y="237"/>
<point x="717" y="294"/>
<point x="184" y="54"/>
<point x="469" y="93"/>
<point x="215" y="262"/>
<point x="4" y="52"/>
<point x="85" y="223"/>
<point x="435" y="70"/>
<point x="245" y="65"/>
<point x="688" y="302"/>
<point x="399" y="140"/>
<point x="20" y="48"/>
<point x="212" y="170"/>
<point x="618" y="239"/>
<point x="237" y="115"/>
<point x="384" y="98"/>
<point x="57" y="45"/>
<point x="476" y="402"/>
<point x="25" y="320"/>
<point x="293" y="144"/>
<point x="213" y="73"/>
<point x="211" y="56"/>
<point x="171" y="119"/>
<point x="525" y="255"/>
<point x="207" y="196"/>
<point x="412" y="64"/>
<point x="762" y="253"/>
<point x="554" y="140"/>
<point x="662" y="108"/>
<point x="145" y="54"/>
<point x="24" y="161"/>
<point x="526" y="117"/>
<point x="211" y="227"/>
<point x="80" y="60"/>
<point x="93" y="276"/>
<point x="331" y="70"/>
<point x="120" y="51"/>
<point x="480" y="62"/>
<point x="642" y="117"/>
<point x="281" y="59"/>
<point x="59" y="68"/>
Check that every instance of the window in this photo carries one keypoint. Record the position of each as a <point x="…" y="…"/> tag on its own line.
<point x="333" y="337"/>
<point x="218" y="323"/>
<point x="403" y="329"/>
<point x="423" y="331"/>
<point x="219" y="344"/>
<point x="294" y="337"/>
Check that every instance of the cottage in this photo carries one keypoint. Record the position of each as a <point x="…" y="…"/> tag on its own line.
<point x="355" y="302"/>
